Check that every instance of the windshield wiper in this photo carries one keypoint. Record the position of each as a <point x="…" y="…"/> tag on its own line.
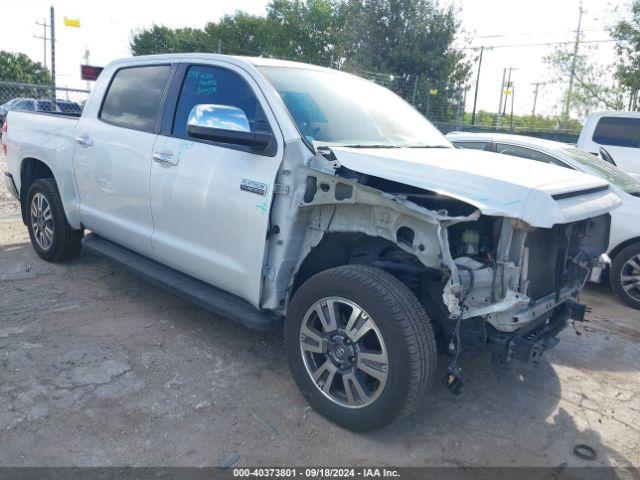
<point x="427" y="146"/>
<point x="386" y="145"/>
<point x="381" y="145"/>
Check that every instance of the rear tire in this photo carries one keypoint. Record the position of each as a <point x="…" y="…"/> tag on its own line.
<point x="624" y="276"/>
<point x="52" y="237"/>
<point x="377" y="378"/>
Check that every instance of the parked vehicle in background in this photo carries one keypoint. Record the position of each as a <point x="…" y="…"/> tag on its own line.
<point x="67" y="106"/>
<point x="286" y="191"/>
<point x="624" y="240"/>
<point x="618" y="133"/>
<point x="39" y="105"/>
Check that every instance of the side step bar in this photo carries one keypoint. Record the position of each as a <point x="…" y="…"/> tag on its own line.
<point x="217" y="301"/>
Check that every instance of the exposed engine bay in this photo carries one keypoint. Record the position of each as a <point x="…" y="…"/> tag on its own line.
<point x="502" y="268"/>
<point x="478" y="275"/>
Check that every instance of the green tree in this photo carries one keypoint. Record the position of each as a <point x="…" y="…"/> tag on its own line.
<point x="407" y="45"/>
<point x="413" y="40"/>
<point x="18" y="67"/>
<point x="595" y="86"/>
<point x="626" y="32"/>
<point x="160" y="39"/>
<point x="240" y="34"/>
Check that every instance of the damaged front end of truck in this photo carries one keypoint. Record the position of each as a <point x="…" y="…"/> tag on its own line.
<point x="483" y="278"/>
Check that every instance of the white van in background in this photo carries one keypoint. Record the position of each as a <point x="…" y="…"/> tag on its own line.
<point x="618" y="133"/>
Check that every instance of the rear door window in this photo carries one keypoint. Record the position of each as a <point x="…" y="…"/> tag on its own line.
<point x="618" y="132"/>
<point x="134" y="96"/>
<point x="217" y="86"/>
<point x="472" y="145"/>
<point x="24" y="105"/>
<point x="529" y="153"/>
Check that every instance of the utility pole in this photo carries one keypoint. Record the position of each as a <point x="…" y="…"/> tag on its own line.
<point x="415" y="90"/>
<point x="513" y="96"/>
<point x="219" y="45"/>
<point x="475" y="96"/>
<point x="53" y="56"/>
<point x="504" y="74"/>
<point x="535" y="98"/>
<point x="504" y="110"/>
<point x="86" y="62"/>
<point x="576" y="45"/>
<point x="44" y="38"/>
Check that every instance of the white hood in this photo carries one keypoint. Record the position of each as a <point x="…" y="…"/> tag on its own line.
<point x="499" y="186"/>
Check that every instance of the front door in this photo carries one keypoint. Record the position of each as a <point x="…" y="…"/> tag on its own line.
<point x="112" y="158"/>
<point x="205" y="224"/>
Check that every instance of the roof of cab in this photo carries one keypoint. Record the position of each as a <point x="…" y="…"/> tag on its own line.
<point x="255" y="61"/>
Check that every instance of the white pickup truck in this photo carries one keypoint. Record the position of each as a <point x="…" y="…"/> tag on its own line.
<point x="616" y="137"/>
<point x="274" y="192"/>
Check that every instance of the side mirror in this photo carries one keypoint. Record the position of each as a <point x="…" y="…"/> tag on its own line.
<point x="226" y="124"/>
<point x="606" y="156"/>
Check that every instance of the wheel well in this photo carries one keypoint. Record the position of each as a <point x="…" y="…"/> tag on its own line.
<point x="622" y="246"/>
<point x="336" y="249"/>
<point x="31" y="170"/>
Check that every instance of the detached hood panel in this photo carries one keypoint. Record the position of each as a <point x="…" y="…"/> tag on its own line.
<point x="497" y="185"/>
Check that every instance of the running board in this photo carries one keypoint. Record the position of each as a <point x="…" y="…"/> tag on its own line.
<point x="213" y="299"/>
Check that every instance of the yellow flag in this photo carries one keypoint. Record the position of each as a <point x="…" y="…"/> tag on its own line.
<point x="508" y="91"/>
<point x="72" y="22"/>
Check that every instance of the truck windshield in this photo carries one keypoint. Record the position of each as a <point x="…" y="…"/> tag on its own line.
<point x="336" y="108"/>
<point x="609" y="172"/>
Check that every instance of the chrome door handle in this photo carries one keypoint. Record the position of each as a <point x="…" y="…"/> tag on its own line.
<point x="84" y="141"/>
<point x="164" y="157"/>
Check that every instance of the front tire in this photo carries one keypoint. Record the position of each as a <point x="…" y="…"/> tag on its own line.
<point x="360" y="346"/>
<point x="624" y="276"/>
<point x="52" y="237"/>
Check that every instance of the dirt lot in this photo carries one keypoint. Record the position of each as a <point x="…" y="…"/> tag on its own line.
<point x="100" y="368"/>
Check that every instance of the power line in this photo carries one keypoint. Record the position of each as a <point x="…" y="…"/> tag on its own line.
<point x="539" y="44"/>
<point x="525" y="34"/>
<point x="44" y="37"/>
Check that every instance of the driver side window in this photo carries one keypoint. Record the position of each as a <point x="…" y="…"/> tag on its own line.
<point x="217" y="86"/>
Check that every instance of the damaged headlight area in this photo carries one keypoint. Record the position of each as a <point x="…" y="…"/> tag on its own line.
<point x="511" y="274"/>
<point x="514" y="286"/>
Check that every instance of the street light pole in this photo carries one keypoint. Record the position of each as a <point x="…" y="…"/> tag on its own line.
<point x="53" y="58"/>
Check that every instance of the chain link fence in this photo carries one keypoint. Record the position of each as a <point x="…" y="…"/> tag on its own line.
<point x="444" y="102"/>
<point x="38" y="98"/>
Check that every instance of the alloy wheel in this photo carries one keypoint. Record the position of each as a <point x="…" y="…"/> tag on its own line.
<point x="344" y="352"/>
<point x="630" y="277"/>
<point x="42" y="221"/>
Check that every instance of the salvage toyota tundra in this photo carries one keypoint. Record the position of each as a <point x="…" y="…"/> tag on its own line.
<point x="274" y="192"/>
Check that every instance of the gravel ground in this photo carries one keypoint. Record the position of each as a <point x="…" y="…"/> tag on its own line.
<point x="97" y="367"/>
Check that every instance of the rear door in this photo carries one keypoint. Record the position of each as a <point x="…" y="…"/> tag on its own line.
<point x="112" y="159"/>
<point x="205" y="223"/>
